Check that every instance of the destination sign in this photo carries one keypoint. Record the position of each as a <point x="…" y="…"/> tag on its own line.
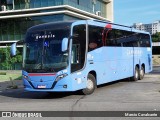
<point x="45" y="36"/>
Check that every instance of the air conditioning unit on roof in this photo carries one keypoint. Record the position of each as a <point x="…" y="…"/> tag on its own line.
<point x="98" y="13"/>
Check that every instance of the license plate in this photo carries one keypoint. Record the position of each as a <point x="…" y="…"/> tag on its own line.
<point x="41" y="86"/>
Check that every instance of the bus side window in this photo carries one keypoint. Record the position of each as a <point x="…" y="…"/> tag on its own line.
<point x="144" y="40"/>
<point x="127" y="39"/>
<point x="133" y="39"/>
<point x="110" y="38"/>
<point x="119" y="37"/>
<point x="95" y="37"/>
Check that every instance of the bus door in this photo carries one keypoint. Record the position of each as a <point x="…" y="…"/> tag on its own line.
<point x="78" y="56"/>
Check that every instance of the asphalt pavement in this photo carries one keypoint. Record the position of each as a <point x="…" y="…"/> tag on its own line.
<point x="123" y="95"/>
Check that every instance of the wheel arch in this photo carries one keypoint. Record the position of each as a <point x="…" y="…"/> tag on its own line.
<point x="143" y="65"/>
<point x="137" y="65"/>
<point x="94" y="74"/>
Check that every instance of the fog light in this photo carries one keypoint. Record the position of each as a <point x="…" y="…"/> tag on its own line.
<point x="64" y="86"/>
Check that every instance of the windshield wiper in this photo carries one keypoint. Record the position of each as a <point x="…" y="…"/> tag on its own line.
<point x="47" y="69"/>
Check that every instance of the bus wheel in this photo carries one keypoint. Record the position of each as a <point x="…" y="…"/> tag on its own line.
<point x="91" y="85"/>
<point x="141" y="73"/>
<point x="136" y="74"/>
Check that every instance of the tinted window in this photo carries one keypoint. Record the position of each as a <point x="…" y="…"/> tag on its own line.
<point x="144" y="40"/>
<point x="111" y="38"/>
<point x="95" y="37"/>
<point x="78" y="48"/>
<point x="117" y="37"/>
<point x="130" y="39"/>
<point x="42" y="51"/>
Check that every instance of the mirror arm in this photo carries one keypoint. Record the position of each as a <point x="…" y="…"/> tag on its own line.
<point x="20" y="42"/>
<point x="73" y="36"/>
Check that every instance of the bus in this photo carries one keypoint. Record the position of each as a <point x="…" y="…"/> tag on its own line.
<point x="80" y="55"/>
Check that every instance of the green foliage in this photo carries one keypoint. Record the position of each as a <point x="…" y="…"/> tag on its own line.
<point x="156" y="37"/>
<point x="6" y="60"/>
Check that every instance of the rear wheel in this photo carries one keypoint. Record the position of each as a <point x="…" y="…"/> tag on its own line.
<point x="136" y="74"/>
<point x="91" y="85"/>
<point x="141" y="73"/>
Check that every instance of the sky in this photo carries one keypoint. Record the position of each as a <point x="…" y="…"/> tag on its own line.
<point x="127" y="12"/>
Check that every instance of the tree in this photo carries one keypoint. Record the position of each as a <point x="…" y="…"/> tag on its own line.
<point x="156" y="37"/>
<point x="7" y="61"/>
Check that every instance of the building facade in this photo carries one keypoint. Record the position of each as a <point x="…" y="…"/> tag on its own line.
<point x="152" y="28"/>
<point x="155" y="27"/>
<point x="16" y="16"/>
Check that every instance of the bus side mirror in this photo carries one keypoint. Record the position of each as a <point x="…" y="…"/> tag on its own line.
<point x="64" y="44"/>
<point x="13" y="49"/>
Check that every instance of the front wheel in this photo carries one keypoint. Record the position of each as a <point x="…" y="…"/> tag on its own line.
<point x="91" y="85"/>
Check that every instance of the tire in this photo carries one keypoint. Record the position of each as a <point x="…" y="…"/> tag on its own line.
<point x="91" y="85"/>
<point x="136" y="74"/>
<point x="141" y="73"/>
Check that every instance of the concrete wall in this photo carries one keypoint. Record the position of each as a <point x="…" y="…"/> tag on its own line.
<point x="156" y="59"/>
<point x="110" y="11"/>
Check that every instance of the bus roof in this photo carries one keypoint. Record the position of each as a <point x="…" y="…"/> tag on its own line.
<point x="50" y="25"/>
<point x="120" y="26"/>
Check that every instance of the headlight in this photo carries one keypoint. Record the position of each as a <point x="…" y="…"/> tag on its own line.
<point x="61" y="76"/>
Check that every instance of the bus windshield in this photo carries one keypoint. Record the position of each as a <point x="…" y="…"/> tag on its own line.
<point x="42" y="51"/>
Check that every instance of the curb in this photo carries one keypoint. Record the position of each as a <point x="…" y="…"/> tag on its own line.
<point x="152" y="75"/>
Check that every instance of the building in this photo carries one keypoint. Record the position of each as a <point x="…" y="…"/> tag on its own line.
<point x="152" y="28"/>
<point x="143" y="27"/>
<point x="155" y="27"/>
<point x="16" y="16"/>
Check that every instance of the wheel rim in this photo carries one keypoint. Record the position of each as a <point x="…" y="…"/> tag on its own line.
<point x="89" y="84"/>
<point x="142" y="72"/>
<point x="136" y="74"/>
